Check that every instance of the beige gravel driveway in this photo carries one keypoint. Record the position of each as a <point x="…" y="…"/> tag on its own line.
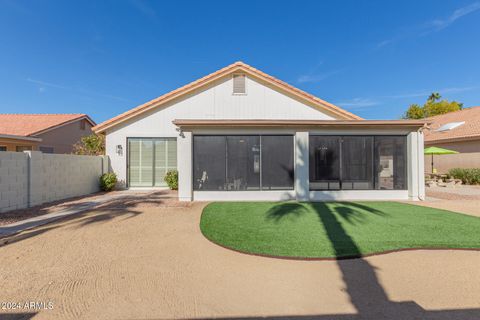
<point x="151" y="262"/>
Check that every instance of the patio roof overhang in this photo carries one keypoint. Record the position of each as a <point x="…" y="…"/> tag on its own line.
<point x="229" y="123"/>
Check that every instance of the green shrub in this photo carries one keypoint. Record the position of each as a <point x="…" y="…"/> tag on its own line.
<point x="108" y="181"/>
<point x="171" y="178"/>
<point x="468" y="176"/>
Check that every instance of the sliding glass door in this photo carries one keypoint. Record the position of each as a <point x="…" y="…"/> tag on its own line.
<point x="149" y="159"/>
<point x="140" y="158"/>
<point x="165" y="159"/>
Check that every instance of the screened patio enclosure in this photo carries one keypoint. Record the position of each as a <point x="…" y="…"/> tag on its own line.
<point x="358" y="162"/>
<point x="243" y="162"/>
<point x="149" y="159"/>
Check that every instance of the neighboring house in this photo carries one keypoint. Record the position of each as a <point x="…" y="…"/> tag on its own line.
<point x="240" y="134"/>
<point x="49" y="133"/>
<point x="459" y="131"/>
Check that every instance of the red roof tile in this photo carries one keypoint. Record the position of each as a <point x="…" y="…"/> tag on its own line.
<point x="30" y="124"/>
<point x="470" y="129"/>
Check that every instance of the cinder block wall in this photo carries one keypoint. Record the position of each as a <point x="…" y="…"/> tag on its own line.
<point x="13" y="181"/>
<point x="32" y="178"/>
<point x="445" y="162"/>
<point x="59" y="176"/>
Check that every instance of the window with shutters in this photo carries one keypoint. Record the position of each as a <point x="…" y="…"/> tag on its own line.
<point x="149" y="159"/>
<point x="239" y="84"/>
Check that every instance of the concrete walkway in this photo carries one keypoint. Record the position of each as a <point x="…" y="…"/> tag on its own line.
<point x="10" y="229"/>
<point x="117" y="199"/>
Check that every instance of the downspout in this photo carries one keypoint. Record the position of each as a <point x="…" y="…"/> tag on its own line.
<point x="420" y="131"/>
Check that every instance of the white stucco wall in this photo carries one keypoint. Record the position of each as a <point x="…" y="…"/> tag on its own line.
<point x="260" y="102"/>
<point x="214" y="102"/>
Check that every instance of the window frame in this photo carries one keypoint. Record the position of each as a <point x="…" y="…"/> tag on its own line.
<point x="261" y="189"/>
<point x="127" y="166"/>
<point x="23" y="148"/>
<point x="46" y="147"/>
<point x="374" y="167"/>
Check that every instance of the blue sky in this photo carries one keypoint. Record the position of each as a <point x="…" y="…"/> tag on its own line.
<point x="373" y="58"/>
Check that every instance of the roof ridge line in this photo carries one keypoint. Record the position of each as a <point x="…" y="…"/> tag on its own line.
<point x="215" y="75"/>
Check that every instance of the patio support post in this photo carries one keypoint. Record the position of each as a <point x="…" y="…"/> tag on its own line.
<point x="421" y="165"/>
<point x="416" y="178"/>
<point x="302" y="189"/>
<point x="185" y="165"/>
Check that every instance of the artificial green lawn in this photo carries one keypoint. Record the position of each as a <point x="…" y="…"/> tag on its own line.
<point x="335" y="229"/>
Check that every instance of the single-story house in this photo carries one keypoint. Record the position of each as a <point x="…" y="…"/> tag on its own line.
<point x="459" y="130"/>
<point x="241" y="134"/>
<point x="49" y="133"/>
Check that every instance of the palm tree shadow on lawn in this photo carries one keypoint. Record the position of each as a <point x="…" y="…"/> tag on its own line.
<point x="361" y="282"/>
<point x="349" y="211"/>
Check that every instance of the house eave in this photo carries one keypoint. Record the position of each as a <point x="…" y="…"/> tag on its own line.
<point x="228" y="123"/>
<point x="23" y="138"/>
<point x="454" y="139"/>
<point x="82" y="117"/>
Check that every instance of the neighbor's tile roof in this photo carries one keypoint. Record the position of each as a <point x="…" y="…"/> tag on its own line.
<point x="469" y="130"/>
<point x="30" y="124"/>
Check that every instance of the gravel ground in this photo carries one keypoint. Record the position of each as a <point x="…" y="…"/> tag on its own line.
<point x="463" y="199"/>
<point x="134" y="261"/>
<point x="454" y="193"/>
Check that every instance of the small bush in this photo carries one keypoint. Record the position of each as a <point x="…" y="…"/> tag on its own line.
<point x="171" y="178"/>
<point x="108" y="181"/>
<point x="468" y="176"/>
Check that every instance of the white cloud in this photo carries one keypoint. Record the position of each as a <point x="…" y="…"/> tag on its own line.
<point x="42" y="85"/>
<point x="358" y="103"/>
<point x="144" y="8"/>
<point x="439" y="24"/>
<point x="426" y="93"/>
<point x="45" y="84"/>
<point x="316" y="77"/>
<point x="430" y="26"/>
<point x="384" y="43"/>
<point x="366" y="102"/>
